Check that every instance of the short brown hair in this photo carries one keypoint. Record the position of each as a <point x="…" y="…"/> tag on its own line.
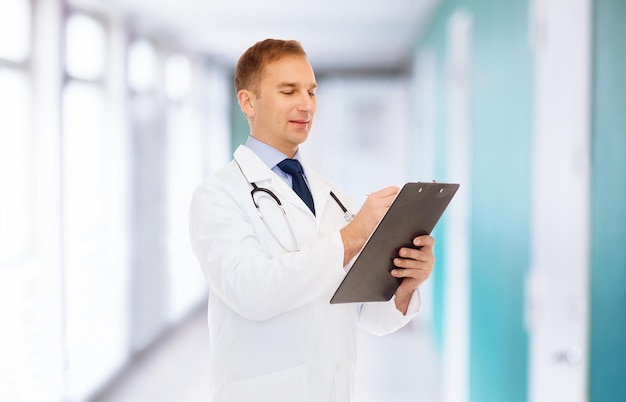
<point x="250" y="65"/>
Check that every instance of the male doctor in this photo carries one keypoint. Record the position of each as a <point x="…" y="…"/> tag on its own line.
<point x="274" y="335"/>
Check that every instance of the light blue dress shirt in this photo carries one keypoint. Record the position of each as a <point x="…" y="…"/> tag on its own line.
<point x="271" y="157"/>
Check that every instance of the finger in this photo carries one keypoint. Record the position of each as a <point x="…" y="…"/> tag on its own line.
<point x="390" y="191"/>
<point x="422" y="254"/>
<point x="418" y="260"/>
<point x="424" y="240"/>
<point x="407" y="274"/>
<point x="402" y="272"/>
<point x="409" y="263"/>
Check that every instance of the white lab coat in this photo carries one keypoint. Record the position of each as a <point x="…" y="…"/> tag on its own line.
<point x="274" y="335"/>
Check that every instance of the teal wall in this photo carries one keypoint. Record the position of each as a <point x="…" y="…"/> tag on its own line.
<point x="607" y="376"/>
<point x="437" y="40"/>
<point x="501" y="164"/>
<point x="500" y="135"/>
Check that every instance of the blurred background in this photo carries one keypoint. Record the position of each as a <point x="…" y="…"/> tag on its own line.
<point x="111" y="112"/>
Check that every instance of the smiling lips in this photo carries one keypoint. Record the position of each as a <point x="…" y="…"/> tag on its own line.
<point x="300" y="123"/>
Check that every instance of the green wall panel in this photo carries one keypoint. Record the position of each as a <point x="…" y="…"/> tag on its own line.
<point x="608" y="266"/>
<point x="502" y="132"/>
<point x="435" y="40"/>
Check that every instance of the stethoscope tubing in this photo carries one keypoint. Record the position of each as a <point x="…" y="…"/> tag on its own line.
<point x="347" y="215"/>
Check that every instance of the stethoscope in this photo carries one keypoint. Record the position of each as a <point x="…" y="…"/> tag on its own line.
<point x="256" y="190"/>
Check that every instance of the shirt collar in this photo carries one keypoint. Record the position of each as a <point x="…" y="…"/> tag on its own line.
<point x="267" y="153"/>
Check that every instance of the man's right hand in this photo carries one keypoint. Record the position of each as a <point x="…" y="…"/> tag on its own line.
<point x="356" y="233"/>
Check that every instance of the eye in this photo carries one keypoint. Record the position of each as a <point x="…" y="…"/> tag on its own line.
<point x="311" y="94"/>
<point x="287" y="92"/>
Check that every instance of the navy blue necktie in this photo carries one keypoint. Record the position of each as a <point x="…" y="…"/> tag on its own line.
<point x="294" y="169"/>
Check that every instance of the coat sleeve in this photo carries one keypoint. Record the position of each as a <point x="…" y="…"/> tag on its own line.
<point x="384" y="318"/>
<point x="241" y="273"/>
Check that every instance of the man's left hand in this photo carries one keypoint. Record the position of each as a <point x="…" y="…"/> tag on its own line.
<point x="414" y="266"/>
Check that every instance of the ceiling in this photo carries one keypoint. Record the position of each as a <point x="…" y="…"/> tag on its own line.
<point x="353" y="35"/>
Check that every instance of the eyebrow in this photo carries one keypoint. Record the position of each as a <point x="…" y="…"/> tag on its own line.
<point x="294" y="85"/>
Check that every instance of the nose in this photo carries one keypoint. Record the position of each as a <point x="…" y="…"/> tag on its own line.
<point x="307" y="103"/>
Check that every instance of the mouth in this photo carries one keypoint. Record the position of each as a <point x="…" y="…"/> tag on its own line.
<point x="300" y="123"/>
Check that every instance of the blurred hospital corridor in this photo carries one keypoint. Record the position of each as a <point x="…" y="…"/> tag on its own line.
<point x="113" y="111"/>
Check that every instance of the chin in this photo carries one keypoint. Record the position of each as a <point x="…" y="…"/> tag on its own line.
<point x="300" y="137"/>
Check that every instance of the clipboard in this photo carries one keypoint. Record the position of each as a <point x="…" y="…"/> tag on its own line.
<point x="414" y="212"/>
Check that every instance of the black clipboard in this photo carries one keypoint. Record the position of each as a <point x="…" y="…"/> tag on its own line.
<point x="414" y="212"/>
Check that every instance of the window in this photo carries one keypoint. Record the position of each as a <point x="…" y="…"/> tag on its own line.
<point x="143" y="66"/>
<point x="184" y="172"/>
<point x="178" y="77"/>
<point x="94" y="226"/>
<point x="86" y="48"/>
<point x="15" y="29"/>
<point x="16" y="175"/>
<point x="30" y="367"/>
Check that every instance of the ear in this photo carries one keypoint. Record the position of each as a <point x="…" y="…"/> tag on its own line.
<point x="246" y="102"/>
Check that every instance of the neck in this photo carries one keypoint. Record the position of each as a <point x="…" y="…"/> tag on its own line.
<point x="288" y="150"/>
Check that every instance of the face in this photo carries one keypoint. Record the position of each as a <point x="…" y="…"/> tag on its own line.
<point x="281" y="113"/>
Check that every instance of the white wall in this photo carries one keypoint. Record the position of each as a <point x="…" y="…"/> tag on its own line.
<point x="557" y="316"/>
<point x="360" y="134"/>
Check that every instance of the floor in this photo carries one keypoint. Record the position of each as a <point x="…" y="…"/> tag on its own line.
<point x="400" y="367"/>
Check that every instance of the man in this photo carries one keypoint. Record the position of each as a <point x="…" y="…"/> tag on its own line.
<point x="274" y="335"/>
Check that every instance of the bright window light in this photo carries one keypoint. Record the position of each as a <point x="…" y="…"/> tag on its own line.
<point x="83" y="147"/>
<point x="86" y="47"/>
<point x="185" y="156"/>
<point x="143" y="66"/>
<point x="178" y="77"/>
<point x="95" y="282"/>
<point x="16" y="175"/>
<point x="15" y="28"/>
